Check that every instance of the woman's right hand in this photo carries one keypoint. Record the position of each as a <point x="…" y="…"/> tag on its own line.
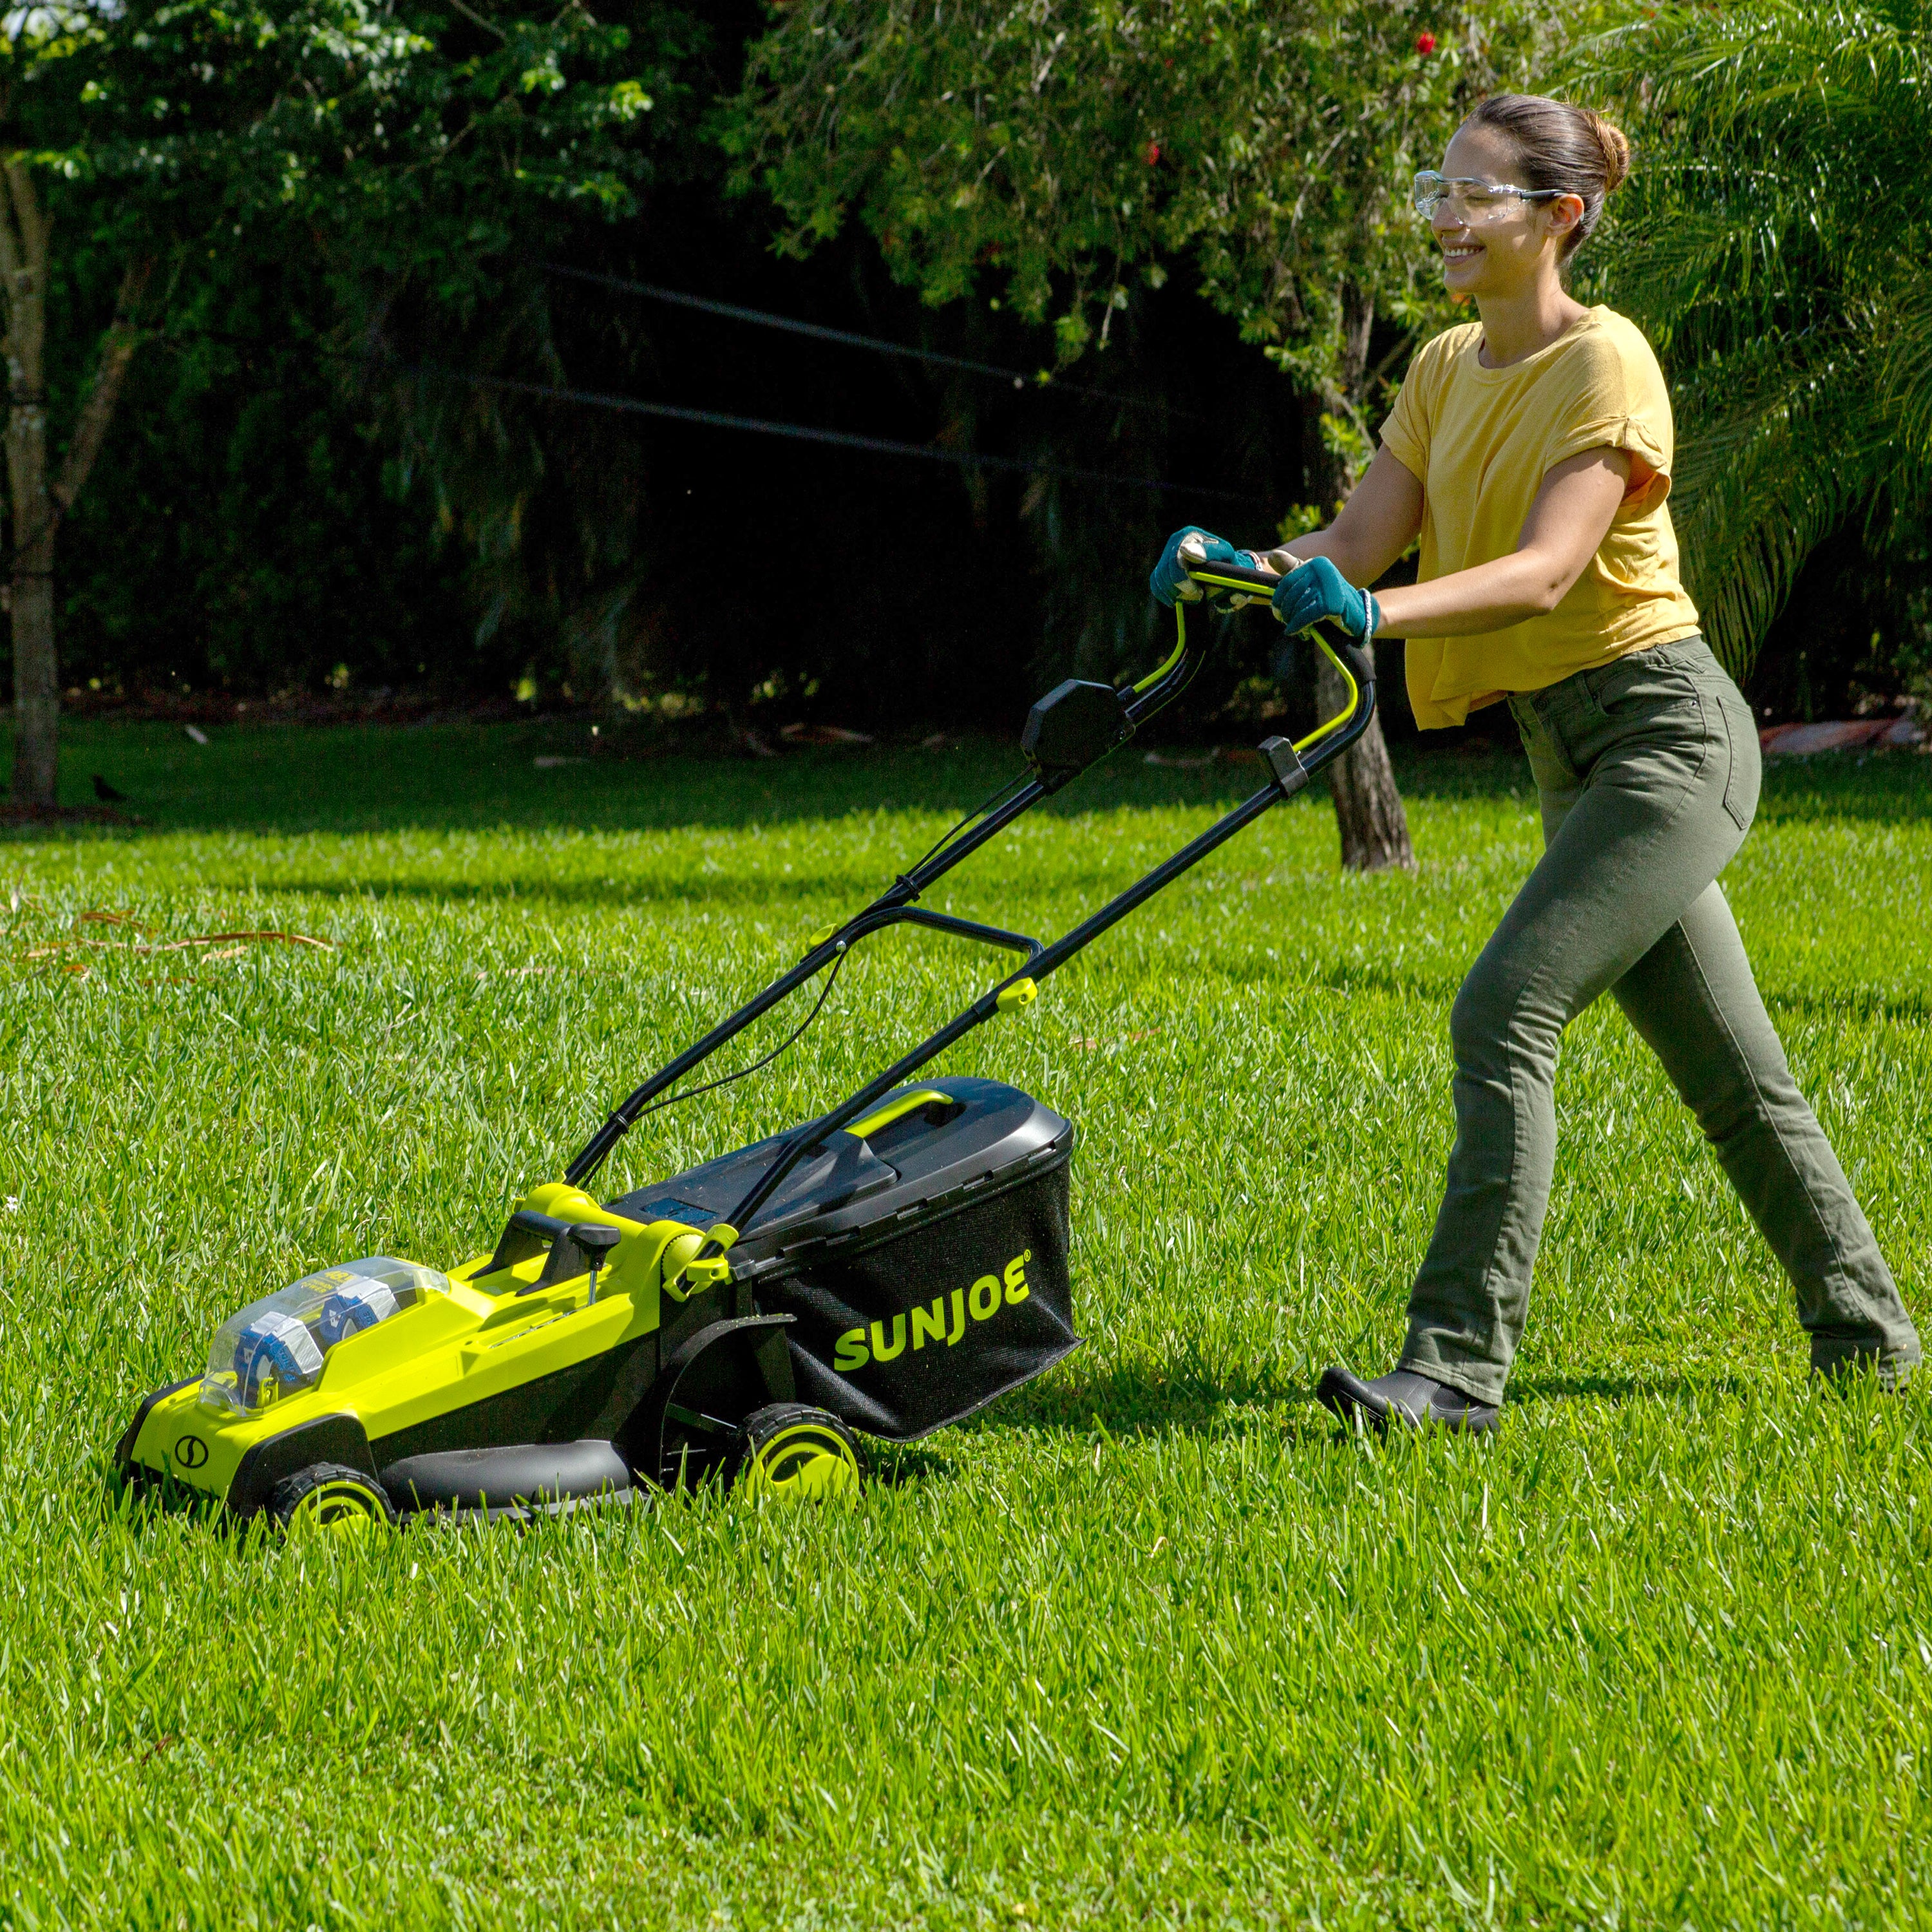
<point x="1190" y="547"/>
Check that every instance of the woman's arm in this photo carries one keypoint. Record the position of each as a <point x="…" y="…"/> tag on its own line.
<point x="1566" y="525"/>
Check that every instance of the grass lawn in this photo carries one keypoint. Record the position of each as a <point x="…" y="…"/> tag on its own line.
<point x="1146" y="1644"/>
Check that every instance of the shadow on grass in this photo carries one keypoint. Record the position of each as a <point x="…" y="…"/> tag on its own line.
<point x="1148" y="1402"/>
<point x="1886" y="787"/>
<point x="1860" y="1003"/>
<point x="1148" y="1399"/>
<point x="140" y="1501"/>
<point x="758" y="890"/>
<point x="1434" y="989"/>
<point x="358" y="779"/>
<point x="903" y="1465"/>
<point x="1890" y="788"/>
<point x="1854" y="1003"/>
<point x="1674" y="1390"/>
<point x="361" y="779"/>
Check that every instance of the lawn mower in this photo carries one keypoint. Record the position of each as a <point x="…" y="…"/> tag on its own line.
<point x="887" y="1268"/>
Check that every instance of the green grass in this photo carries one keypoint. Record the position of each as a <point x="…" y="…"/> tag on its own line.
<point x="1145" y="1645"/>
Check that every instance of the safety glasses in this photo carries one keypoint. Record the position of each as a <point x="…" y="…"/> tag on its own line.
<point x="1471" y="202"/>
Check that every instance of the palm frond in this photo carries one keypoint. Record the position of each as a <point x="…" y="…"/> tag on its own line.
<point x="1906" y="385"/>
<point x="1777" y="242"/>
<point x="1790" y="446"/>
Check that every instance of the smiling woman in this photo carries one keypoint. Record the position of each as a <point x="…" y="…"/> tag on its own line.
<point x="1529" y="453"/>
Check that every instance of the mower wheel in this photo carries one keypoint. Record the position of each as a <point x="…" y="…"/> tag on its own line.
<point x="331" y="1496"/>
<point x="796" y="1454"/>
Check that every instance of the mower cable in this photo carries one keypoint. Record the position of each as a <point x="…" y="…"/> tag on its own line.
<point x="991" y="802"/>
<point x="756" y="1066"/>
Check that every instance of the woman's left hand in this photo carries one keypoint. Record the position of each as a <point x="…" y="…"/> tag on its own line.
<point x="1318" y="590"/>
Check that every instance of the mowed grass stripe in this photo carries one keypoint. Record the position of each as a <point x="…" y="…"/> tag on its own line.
<point x="1144" y="1643"/>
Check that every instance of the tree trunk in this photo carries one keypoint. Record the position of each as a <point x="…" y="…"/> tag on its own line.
<point x="37" y="507"/>
<point x="23" y="263"/>
<point x="36" y="672"/>
<point x="1369" y="810"/>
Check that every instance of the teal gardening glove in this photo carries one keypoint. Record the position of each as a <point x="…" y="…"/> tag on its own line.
<point x="1169" y="577"/>
<point x="1318" y="591"/>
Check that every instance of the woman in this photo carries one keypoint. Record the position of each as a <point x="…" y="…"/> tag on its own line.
<point x="1531" y="451"/>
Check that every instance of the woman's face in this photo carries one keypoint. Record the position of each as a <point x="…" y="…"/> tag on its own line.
<point x="1496" y="251"/>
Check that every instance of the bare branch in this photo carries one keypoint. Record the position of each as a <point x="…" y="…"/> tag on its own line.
<point x="27" y="215"/>
<point x="117" y="352"/>
<point x="12" y="261"/>
<point x="475" y="19"/>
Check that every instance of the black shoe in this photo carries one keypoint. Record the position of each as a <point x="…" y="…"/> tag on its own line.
<point x="1404" y="1400"/>
<point x="1844" y="1365"/>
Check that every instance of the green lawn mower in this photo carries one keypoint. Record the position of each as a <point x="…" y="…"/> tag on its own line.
<point x="887" y="1268"/>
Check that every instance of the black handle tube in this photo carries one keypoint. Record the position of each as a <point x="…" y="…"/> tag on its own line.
<point x="1050" y="960"/>
<point x="883" y="910"/>
<point x="803" y="1139"/>
<point x="1263" y="581"/>
<point x="598" y="1147"/>
<point x="969" y="929"/>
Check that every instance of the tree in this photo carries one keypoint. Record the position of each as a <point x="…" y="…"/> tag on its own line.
<point x="1777" y="242"/>
<point x="1060" y="152"/>
<point x="167" y="133"/>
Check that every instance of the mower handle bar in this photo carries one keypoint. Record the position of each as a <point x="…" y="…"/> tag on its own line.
<point x="1291" y="773"/>
<point x="871" y="921"/>
<point x="1231" y="576"/>
<point x="1346" y="653"/>
<point x="1139" y="702"/>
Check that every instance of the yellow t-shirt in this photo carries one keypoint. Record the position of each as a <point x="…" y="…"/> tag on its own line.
<point x="1480" y="441"/>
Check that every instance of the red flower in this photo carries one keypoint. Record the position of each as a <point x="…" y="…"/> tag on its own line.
<point x="1425" y="43"/>
<point x="1150" y="153"/>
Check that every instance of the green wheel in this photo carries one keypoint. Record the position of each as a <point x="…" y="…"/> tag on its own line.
<point x="797" y="1454"/>
<point x="332" y="1497"/>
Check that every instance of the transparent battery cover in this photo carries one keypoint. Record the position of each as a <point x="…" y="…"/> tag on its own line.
<point x="275" y="1348"/>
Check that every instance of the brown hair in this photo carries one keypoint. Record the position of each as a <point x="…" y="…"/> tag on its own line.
<point x="1573" y="149"/>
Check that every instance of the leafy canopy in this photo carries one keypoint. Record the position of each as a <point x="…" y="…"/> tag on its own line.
<point x="405" y="138"/>
<point x="1042" y="155"/>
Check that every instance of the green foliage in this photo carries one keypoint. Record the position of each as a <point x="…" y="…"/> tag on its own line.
<point x="403" y="133"/>
<point x="1145" y="1645"/>
<point x="1060" y="162"/>
<point x="1053" y="152"/>
<point x="1777" y="240"/>
<point x="359" y="184"/>
<point x="518" y="134"/>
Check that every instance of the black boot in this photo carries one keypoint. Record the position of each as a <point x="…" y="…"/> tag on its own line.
<point x="1403" y="1400"/>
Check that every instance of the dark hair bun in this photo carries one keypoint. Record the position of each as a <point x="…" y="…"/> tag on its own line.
<point x="1609" y="137"/>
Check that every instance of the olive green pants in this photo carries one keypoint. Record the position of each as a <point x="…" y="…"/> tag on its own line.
<point x="1648" y="770"/>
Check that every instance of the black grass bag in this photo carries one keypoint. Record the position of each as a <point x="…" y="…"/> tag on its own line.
<point x="905" y="1332"/>
<point x="922" y="1253"/>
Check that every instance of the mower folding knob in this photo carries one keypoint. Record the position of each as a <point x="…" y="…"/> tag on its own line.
<point x="1285" y="761"/>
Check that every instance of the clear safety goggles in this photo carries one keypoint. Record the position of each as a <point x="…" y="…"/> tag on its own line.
<point x="1472" y="203"/>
